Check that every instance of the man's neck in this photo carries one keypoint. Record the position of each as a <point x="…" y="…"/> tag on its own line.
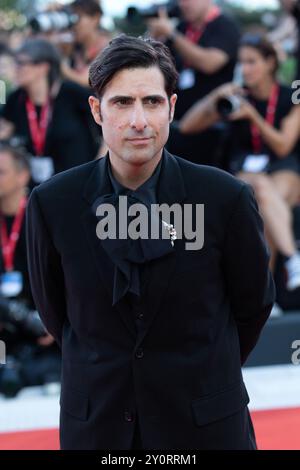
<point x="133" y="176"/>
<point x="39" y="92"/>
<point x="9" y="205"/>
<point x="199" y="22"/>
<point x="91" y="39"/>
<point x="262" y="90"/>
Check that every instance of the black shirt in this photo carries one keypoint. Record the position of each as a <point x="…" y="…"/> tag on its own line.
<point x="149" y="188"/>
<point x="72" y="138"/>
<point x="221" y="33"/>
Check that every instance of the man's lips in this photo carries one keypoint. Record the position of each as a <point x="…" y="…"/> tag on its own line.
<point x="139" y="140"/>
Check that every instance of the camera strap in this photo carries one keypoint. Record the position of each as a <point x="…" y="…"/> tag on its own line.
<point x="9" y="243"/>
<point x="195" y="34"/>
<point x="38" y="128"/>
<point x="270" y="118"/>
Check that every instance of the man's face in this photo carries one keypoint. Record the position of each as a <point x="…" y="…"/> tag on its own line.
<point x="84" y="26"/>
<point x="135" y="113"/>
<point x="255" y="68"/>
<point x="11" y="178"/>
<point x="288" y="4"/>
<point x="194" y="10"/>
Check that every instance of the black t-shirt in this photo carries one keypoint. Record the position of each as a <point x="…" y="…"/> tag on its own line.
<point x="72" y="138"/>
<point x="222" y="33"/>
<point x="240" y="131"/>
<point x="20" y="261"/>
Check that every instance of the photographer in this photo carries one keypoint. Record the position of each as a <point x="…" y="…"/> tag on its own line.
<point x="32" y="353"/>
<point x="89" y="40"/>
<point x="204" y="45"/>
<point x="264" y="130"/>
<point x="50" y="115"/>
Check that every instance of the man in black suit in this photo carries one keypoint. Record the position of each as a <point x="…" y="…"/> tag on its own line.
<point x="153" y="333"/>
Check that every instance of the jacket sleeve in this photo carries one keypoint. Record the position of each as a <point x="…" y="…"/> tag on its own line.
<point x="45" y="270"/>
<point x="249" y="281"/>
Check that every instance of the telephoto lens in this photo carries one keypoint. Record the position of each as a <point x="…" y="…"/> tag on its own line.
<point x="53" y="21"/>
<point x="228" y="105"/>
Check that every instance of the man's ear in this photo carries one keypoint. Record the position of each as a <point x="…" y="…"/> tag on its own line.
<point x="95" y="109"/>
<point x="173" y="100"/>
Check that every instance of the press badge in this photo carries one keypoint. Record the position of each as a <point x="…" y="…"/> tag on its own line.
<point x="42" y="168"/>
<point x="256" y="163"/>
<point x="11" y="284"/>
<point x="186" y="79"/>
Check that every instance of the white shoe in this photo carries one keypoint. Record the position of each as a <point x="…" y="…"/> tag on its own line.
<point x="293" y="272"/>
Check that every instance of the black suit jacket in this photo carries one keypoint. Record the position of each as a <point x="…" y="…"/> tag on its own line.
<point x="176" y="366"/>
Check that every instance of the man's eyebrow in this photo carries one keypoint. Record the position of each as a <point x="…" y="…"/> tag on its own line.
<point x="113" y="99"/>
<point x="119" y="97"/>
<point x="155" y="97"/>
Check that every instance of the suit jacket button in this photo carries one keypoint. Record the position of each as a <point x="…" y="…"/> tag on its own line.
<point x="139" y="354"/>
<point x="140" y="316"/>
<point x="128" y="417"/>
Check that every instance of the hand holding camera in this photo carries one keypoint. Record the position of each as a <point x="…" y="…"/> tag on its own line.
<point x="231" y="103"/>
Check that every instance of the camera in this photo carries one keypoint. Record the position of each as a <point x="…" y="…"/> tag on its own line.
<point x="53" y="21"/>
<point x="228" y="105"/>
<point x="18" y="314"/>
<point x="171" y="7"/>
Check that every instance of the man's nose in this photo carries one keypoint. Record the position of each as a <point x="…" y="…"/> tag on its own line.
<point x="138" y="118"/>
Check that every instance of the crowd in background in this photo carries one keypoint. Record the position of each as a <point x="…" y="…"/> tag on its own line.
<point x="232" y="112"/>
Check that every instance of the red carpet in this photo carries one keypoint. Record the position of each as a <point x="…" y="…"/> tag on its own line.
<point x="275" y="430"/>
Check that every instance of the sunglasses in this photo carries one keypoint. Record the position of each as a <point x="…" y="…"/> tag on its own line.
<point x="251" y="39"/>
<point x="24" y="62"/>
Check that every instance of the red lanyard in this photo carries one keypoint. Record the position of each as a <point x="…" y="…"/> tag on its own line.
<point x="270" y="118"/>
<point x="9" y="243"/>
<point x="194" y="34"/>
<point x="38" y="130"/>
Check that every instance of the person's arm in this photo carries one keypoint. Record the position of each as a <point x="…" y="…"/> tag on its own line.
<point x="246" y="264"/>
<point x="45" y="270"/>
<point x="199" y="117"/>
<point x="204" y="114"/>
<point x="281" y="141"/>
<point x="208" y="60"/>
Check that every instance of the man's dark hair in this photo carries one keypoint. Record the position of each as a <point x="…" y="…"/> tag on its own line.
<point x="19" y="155"/>
<point x="87" y="7"/>
<point x="128" y="52"/>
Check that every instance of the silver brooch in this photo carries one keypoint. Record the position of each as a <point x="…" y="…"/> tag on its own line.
<point x="171" y="230"/>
